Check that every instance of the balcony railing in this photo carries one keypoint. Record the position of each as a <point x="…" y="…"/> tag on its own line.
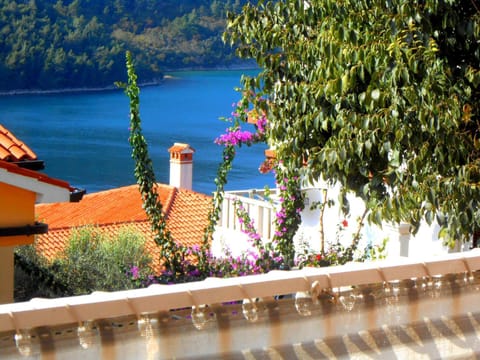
<point x="385" y="309"/>
<point x="259" y="205"/>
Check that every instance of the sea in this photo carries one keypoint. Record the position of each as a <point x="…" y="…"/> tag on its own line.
<point x="83" y="136"/>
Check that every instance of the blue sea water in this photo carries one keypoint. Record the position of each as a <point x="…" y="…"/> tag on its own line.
<point x="83" y="137"/>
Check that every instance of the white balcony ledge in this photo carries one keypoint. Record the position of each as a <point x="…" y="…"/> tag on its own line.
<point x="440" y="320"/>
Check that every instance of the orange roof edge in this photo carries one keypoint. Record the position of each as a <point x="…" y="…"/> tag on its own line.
<point x="15" y="149"/>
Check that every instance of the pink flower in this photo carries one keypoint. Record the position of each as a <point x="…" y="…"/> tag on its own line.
<point x="345" y="223"/>
<point x="135" y="271"/>
<point x="235" y="137"/>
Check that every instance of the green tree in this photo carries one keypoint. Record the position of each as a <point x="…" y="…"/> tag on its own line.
<point x="378" y="96"/>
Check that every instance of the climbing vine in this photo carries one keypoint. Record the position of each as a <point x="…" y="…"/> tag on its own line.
<point x="290" y="200"/>
<point x="171" y="253"/>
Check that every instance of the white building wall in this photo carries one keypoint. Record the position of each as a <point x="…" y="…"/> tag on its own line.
<point x="401" y="243"/>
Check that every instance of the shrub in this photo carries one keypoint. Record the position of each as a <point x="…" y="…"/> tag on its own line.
<point x="92" y="261"/>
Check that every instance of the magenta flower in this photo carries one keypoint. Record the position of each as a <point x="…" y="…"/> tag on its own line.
<point x="135" y="271"/>
<point x="235" y="137"/>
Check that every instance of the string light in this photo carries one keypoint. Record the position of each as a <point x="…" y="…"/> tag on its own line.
<point x="347" y="298"/>
<point x="201" y="316"/>
<point x="250" y="307"/>
<point x="23" y="342"/>
<point x="304" y="303"/>
<point x="87" y="334"/>
<point x="436" y="286"/>
<point x="250" y="310"/>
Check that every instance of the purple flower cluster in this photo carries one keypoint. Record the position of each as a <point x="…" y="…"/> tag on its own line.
<point x="288" y="217"/>
<point x="262" y="124"/>
<point x="235" y="137"/>
<point x="134" y="272"/>
<point x="259" y="257"/>
<point x="248" y="226"/>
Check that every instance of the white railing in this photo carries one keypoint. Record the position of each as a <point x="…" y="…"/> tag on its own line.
<point x="101" y="305"/>
<point x="390" y="309"/>
<point x="260" y="208"/>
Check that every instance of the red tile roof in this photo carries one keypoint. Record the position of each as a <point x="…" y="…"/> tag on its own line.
<point x="12" y="149"/>
<point x="186" y="211"/>
<point x="181" y="148"/>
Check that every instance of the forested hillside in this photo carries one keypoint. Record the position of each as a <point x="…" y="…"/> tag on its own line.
<point x="56" y="44"/>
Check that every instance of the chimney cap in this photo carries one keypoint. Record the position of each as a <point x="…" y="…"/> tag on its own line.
<point x="181" y="148"/>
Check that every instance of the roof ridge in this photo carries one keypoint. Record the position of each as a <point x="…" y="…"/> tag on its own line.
<point x="169" y="201"/>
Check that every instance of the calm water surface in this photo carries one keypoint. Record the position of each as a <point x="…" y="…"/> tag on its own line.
<point x="83" y="137"/>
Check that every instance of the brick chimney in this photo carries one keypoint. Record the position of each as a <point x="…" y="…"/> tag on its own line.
<point x="181" y="165"/>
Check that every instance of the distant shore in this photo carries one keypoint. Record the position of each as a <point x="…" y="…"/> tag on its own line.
<point x="114" y="87"/>
<point x="72" y="90"/>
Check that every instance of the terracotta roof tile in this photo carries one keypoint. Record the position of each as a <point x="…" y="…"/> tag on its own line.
<point x="181" y="148"/>
<point x="187" y="217"/>
<point x="12" y="149"/>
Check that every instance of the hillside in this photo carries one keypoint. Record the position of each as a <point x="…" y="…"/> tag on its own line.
<point x="48" y="44"/>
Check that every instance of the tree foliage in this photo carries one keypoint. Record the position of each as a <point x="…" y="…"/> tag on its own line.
<point x="81" y="43"/>
<point x="92" y="260"/>
<point x="378" y="96"/>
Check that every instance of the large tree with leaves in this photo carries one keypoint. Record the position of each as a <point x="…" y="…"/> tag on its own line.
<point x="378" y="96"/>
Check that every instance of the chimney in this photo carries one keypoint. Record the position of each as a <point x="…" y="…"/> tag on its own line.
<point x="181" y="165"/>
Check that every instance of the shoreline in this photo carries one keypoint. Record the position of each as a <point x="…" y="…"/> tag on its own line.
<point x="72" y="90"/>
<point x="113" y="87"/>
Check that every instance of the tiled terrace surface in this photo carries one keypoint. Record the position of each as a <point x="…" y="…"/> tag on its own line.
<point x="114" y="209"/>
<point x="12" y="149"/>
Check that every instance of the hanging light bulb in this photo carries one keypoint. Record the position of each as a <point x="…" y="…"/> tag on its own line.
<point x="200" y="316"/>
<point x="23" y="342"/>
<point x="348" y="301"/>
<point x="394" y="287"/>
<point x="250" y="310"/>
<point x="87" y="334"/>
<point x="436" y="286"/>
<point x="304" y="303"/>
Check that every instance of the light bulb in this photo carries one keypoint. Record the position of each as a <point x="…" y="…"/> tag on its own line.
<point x="348" y="301"/>
<point x="303" y="303"/>
<point x="436" y="286"/>
<point x="395" y="287"/>
<point x="200" y="316"/>
<point x="87" y="334"/>
<point x="23" y="341"/>
<point x="250" y="310"/>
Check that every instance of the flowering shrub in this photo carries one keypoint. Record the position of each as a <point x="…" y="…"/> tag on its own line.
<point x="185" y="264"/>
<point x="235" y="137"/>
<point x="288" y="218"/>
<point x="339" y="254"/>
<point x="265" y="255"/>
<point x="140" y="276"/>
<point x="291" y="199"/>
